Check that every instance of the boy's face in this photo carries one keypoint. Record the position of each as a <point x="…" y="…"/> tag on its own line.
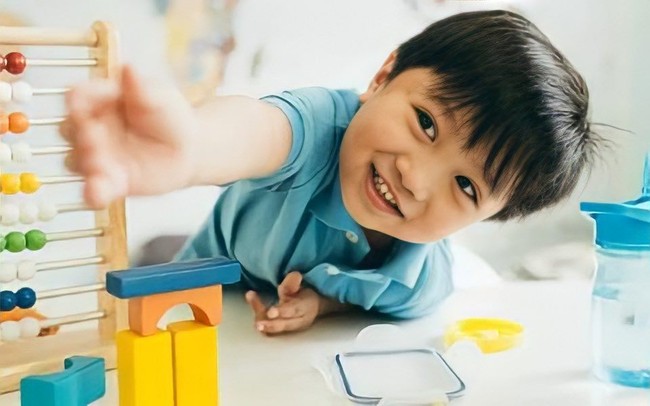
<point x="403" y="169"/>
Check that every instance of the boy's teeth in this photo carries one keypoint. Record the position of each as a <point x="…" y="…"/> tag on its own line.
<point x="382" y="188"/>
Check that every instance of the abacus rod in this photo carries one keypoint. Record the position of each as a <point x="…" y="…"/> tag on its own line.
<point x="75" y="290"/>
<point x="61" y="62"/>
<point x="50" y="91"/>
<point x="47" y="36"/>
<point x="51" y="150"/>
<point x="46" y="121"/>
<point x="61" y="179"/>
<point x="69" y="263"/>
<point x="72" y="319"/>
<point x="70" y="235"/>
<point x="63" y="208"/>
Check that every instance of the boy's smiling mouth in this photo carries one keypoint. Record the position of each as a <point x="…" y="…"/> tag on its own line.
<point x="381" y="194"/>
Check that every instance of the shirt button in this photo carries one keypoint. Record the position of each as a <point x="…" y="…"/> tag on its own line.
<point x="352" y="237"/>
<point x="331" y="270"/>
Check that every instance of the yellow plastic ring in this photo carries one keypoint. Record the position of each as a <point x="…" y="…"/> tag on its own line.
<point x="491" y="335"/>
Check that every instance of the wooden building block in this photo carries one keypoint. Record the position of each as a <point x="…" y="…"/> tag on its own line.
<point x="146" y="311"/>
<point x="145" y="369"/>
<point x="195" y="364"/>
<point x="80" y="383"/>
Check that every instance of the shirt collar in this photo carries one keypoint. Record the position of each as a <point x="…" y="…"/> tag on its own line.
<point x="328" y="207"/>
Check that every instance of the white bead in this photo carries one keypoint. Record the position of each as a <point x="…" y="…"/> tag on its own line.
<point x="9" y="330"/>
<point x="21" y="152"/>
<point x="8" y="272"/>
<point x="26" y="270"/>
<point x="29" y="327"/>
<point x="5" y="154"/>
<point x="28" y="213"/>
<point x="5" y="92"/>
<point x="47" y="211"/>
<point x="21" y="92"/>
<point x="9" y="214"/>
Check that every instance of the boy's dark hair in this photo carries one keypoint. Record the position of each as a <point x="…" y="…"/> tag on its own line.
<point x="526" y="105"/>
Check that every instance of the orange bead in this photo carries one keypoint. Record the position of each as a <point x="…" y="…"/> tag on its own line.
<point x="18" y="123"/>
<point x="4" y="123"/>
<point x="29" y="182"/>
<point x="9" y="183"/>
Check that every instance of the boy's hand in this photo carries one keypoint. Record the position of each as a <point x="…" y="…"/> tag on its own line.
<point x="128" y="138"/>
<point x="297" y="308"/>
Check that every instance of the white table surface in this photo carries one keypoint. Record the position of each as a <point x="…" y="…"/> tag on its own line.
<point x="551" y="367"/>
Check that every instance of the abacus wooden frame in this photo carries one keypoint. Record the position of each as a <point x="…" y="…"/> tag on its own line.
<point x="46" y="354"/>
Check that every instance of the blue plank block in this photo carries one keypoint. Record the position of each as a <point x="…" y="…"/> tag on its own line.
<point x="171" y="277"/>
<point x="81" y="383"/>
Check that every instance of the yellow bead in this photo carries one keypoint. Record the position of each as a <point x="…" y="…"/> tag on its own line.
<point x="9" y="183"/>
<point x="29" y="182"/>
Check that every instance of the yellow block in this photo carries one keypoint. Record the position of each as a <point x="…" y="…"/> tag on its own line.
<point x="144" y="369"/>
<point x="196" y="376"/>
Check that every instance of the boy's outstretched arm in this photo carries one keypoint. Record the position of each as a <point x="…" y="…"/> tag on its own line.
<point x="134" y="138"/>
<point x="297" y="309"/>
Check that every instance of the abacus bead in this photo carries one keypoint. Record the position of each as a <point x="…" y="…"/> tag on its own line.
<point x="9" y="214"/>
<point x="35" y="240"/>
<point x="9" y="183"/>
<point x="15" y="241"/>
<point x="15" y="63"/>
<point x="25" y="298"/>
<point x="18" y="122"/>
<point x="4" y="123"/>
<point x="5" y="154"/>
<point x="9" y="330"/>
<point x="21" y="152"/>
<point x="5" y="92"/>
<point x="26" y="270"/>
<point x="29" y="182"/>
<point x="8" y="272"/>
<point x="21" y="92"/>
<point x="7" y="301"/>
<point x="47" y="211"/>
<point x="29" y="327"/>
<point x="28" y="213"/>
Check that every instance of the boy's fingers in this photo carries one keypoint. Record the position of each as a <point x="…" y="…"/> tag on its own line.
<point x="91" y="98"/>
<point x="290" y="285"/>
<point x="287" y="310"/>
<point x="259" y="310"/>
<point x="280" y="325"/>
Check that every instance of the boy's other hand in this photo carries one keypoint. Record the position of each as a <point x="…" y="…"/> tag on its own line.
<point x="129" y="138"/>
<point x="297" y="308"/>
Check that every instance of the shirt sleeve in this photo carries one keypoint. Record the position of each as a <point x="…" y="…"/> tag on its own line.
<point x="408" y="286"/>
<point x="317" y="116"/>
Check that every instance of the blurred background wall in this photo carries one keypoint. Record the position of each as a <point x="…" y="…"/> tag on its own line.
<point x="255" y="47"/>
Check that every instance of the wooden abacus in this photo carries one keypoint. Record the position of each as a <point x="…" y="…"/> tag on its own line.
<point x="27" y="345"/>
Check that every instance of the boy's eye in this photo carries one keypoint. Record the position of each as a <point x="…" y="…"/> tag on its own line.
<point x="427" y="124"/>
<point x="467" y="187"/>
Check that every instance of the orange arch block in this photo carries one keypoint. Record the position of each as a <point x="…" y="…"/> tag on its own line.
<point x="146" y="311"/>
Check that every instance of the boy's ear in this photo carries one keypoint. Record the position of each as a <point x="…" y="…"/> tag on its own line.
<point x="380" y="77"/>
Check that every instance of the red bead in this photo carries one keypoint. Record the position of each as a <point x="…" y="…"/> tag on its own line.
<point x="15" y="63"/>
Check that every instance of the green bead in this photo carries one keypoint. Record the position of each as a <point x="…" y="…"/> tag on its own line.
<point x="36" y="239"/>
<point x="3" y="242"/>
<point x="15" y="241"/>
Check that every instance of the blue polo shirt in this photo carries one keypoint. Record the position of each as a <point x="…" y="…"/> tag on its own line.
<point x="295" y="219"/>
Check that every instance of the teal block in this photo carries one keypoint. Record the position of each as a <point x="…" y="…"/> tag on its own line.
<point x="82" y="382"/>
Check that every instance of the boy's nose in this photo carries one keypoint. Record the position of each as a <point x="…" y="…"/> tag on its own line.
<point x="411" y="179"/>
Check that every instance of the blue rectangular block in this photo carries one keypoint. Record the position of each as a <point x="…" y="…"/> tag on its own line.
<point x="172" y="276"/>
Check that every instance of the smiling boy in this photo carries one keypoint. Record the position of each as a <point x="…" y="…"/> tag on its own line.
<point x="340" y="200"/>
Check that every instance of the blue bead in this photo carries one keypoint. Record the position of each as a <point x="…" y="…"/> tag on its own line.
<point x="25" y="298"/>
<point x="7" y="300"/>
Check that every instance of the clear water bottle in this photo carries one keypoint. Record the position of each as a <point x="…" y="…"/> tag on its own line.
<point x="621" y="291"/>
